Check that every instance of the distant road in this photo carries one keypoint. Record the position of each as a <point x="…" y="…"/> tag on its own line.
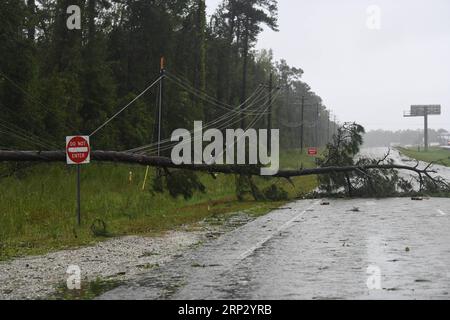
<point x="400" y="159"/>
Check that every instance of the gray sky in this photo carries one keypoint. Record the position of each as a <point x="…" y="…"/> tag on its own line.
<point x="365" y="75"/>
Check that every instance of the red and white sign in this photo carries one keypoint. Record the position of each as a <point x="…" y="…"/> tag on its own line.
<point x="313" y="151"/>
<point x="78" y="150"/>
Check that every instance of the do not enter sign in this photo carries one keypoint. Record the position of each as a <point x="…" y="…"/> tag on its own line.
<point x="78" y="150"/>
<point x="313" y="151"/>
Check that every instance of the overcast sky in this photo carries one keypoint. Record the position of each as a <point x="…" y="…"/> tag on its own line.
<point x="368" y="75"/>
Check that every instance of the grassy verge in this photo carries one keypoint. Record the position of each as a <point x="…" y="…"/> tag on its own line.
<point x="437" y="155"/>
<point x="37" y="204"/>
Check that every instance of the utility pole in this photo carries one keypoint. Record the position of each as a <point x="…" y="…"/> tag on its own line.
<point x="160" y="104"/>
<point x="328" y="128"/>
<point x="317" y="126"/>
<point x="159" y="127"/>
<point x="269" y="116"/>
<point x="335" y="125"/>
<point x="426" y="130"/>
<point x="302" y="125"/>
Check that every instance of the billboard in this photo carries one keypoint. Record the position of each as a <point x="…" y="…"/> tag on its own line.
<point x="420" y="111"/>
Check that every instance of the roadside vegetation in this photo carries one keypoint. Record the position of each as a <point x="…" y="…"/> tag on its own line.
<point x="434" y="155"/>
<point x="55" y="82"/>
<point x="38" y="203"/>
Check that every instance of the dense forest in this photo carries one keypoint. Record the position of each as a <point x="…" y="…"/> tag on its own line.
<point x="57" y="81"/>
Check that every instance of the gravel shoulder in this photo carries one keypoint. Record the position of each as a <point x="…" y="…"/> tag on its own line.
<point x="120" y="259"/>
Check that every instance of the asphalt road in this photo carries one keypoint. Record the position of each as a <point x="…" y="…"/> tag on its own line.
<point x="349" y="249"/>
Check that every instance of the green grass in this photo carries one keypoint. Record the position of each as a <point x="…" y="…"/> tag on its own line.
<point x="294" y="159"/>
<point x="436" y="155"/>
<point x="37" y="204"/>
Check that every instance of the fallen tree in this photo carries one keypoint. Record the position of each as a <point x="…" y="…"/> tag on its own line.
<point x="161" y="162"/>
<point x="368" y="176"/>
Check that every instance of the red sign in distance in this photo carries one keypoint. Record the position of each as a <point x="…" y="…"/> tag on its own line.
<point x="313" y="151"/>
<point x="78" y="150"/>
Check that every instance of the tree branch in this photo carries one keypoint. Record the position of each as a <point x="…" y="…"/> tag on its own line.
<point x="160" y="162"/>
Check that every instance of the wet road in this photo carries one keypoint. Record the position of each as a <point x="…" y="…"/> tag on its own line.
<point x="312" y="251"/>
<point x="398" y="158"/>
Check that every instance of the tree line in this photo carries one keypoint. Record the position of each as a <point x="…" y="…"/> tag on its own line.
<point x="55" y="81"/>
<point x="384" y="138"/>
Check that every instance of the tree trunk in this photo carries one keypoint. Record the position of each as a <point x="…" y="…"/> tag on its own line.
<point x="249" y="170"/>
<point x="244" y="76"/>
<point x="31" y="19"/>
<point x="200" y="60"/>
<point x="91" y="21"/>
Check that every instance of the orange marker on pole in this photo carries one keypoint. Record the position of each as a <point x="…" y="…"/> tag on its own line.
<point x="162" y="63"/>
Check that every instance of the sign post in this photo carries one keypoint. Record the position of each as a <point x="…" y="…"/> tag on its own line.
<point x="78" y="196"/>
<point x="78" y="152"/>
<point x="424" y="111"/>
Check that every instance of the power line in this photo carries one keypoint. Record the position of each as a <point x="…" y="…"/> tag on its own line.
<point x="187" y="83"/>
<point x="27" y="134"/>
<point x="235" y="118"/>
<point x="212" y="101"/>
<point x="125" y="107"/>
<point x="17" y="133"/>
<point x="248" y="127"/>
<point x="18" y="136"/>
<point x="226" y="117"/>
<point x="31" y="97"/>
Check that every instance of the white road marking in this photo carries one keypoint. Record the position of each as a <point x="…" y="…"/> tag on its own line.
<point x="250" y="251"/>
<point x="442" y="212"/>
